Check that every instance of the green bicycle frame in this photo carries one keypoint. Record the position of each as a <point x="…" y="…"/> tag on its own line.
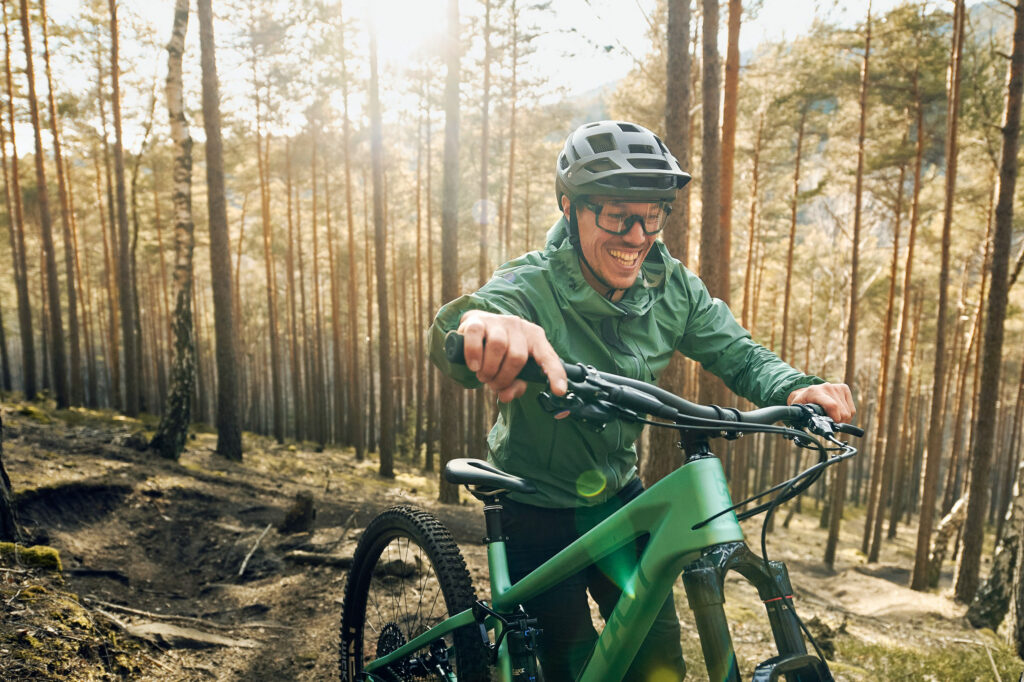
<point x="674" y="546"/>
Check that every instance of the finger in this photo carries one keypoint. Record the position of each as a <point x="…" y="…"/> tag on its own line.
<point x="545" y="356"/>
<point x="474" y="332"/>
<point x="513" y="391"/>
<point x="516" y="356"/>
<point x="493" y="353"/>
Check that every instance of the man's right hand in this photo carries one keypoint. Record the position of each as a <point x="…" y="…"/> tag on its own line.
<point x="497" y="346"/>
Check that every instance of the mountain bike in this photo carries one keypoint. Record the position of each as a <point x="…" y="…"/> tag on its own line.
<point x="410" y="610"/>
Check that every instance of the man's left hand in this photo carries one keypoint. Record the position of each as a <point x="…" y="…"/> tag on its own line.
<point x="836" y="399"/>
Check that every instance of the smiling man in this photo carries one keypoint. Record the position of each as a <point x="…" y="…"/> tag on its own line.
<point x="604" y="292"/>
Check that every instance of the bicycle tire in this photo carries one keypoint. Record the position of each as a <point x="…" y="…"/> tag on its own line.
<point x="405" y="562"/>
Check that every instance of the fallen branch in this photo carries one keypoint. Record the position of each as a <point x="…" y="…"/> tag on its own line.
<point x="171" y="616"/>
<point x="252" y="551"/>
<point x="318" y="559"/>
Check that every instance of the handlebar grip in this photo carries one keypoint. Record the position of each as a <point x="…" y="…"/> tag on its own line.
<point x="454" y="350"/>
<point x="850" y="429"/>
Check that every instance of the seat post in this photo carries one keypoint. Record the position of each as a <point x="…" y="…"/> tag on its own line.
<point x="493" y="520"/>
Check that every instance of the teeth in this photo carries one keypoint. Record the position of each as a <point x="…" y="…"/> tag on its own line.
<point x="624" y="257"/>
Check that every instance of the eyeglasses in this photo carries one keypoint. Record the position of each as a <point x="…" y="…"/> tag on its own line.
<point x="613" y="217"/>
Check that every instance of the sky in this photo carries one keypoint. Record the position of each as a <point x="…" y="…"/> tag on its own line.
<point x="606" y="22"/>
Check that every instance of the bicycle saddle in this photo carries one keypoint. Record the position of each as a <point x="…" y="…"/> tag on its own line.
<point x="488" y="480"/>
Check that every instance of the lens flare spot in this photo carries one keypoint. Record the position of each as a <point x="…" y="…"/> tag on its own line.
<point x="591" y="483"/>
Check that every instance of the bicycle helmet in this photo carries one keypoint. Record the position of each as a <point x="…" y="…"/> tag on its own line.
<point x="617" y="159"/>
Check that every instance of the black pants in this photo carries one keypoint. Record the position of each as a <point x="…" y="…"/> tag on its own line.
<point x="535" y="535"/>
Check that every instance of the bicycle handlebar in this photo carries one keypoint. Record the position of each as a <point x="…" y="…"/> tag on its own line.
<point x="645" y="398"/>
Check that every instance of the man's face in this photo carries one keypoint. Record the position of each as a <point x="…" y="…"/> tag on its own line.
<point x="615" y="258"/>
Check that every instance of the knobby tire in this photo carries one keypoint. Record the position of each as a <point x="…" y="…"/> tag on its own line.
<point x="407" y="575"/>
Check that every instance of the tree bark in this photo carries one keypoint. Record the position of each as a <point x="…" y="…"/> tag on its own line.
<point x="124" y="275"/>
<point x="229" y="432"/>
<point x="172" y="432"/>
<point x="664" y="454"/>
<point x="387" y="433"/>
<point x="936" y="427"/>
<point x="992" y="600"/>
<point x="449" y="240"/>
<point x="262" y="161"/>
<point x="880" y="490"/>
<point x="850" y="372"/>
<point x="16" y="225"/>
<point x="76" y="395"/>
<point x="712" y="257"/>
<point x="10" y="529"/>
<point x="988" y="393"/>
<point x="729" y="108"/>
<point x="58" y="358"/>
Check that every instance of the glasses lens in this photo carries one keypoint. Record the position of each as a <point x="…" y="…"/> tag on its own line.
<point x="617" y="219"/>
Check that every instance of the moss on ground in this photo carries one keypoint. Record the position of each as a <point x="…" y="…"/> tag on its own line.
<point x="37" y="556"/>
<point x="957" y="660"/>
<point x="49" y="635"/>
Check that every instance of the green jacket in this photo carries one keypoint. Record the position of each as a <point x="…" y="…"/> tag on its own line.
<point x="668" y="309"/>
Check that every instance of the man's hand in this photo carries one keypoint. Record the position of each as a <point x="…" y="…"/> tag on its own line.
<point x="510" y="342"/>
<point x="835" y="398"/>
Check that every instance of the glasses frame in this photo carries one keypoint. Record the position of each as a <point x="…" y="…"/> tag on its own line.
<point x="629" y="220"/>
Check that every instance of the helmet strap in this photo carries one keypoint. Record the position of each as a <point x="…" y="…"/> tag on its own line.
<point x="574" y="239"/>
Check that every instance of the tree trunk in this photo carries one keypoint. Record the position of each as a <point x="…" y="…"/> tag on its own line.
<point x="10" y="529"/>
<point x="58" y="359"/>
<point x="433" y="416"/>
<point x="850" y="373"/>
<point x="664" y="454"/>
<point x="77" y="394"/>
<point x="355" y="413"/>
<point x="992" y="600"/>
<point x="229" y="432"/>
<point x="172" y="433"/>
<point x="449" y="240"/>
<point x="294" y="350"/>
<point x="880" y="487"/>
<point x="124" y="275"/>
<point x="729" y="107"/>
<point x="988" y="391"/>
<point x="931" y="478"/>
<point x="262" y="160"/>
<point x="16" y="225"/>
<point x="387" y="433"/>
<point x="713" y="259"/>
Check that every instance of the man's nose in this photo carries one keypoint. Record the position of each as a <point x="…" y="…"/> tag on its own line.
<point x="635" y="234"/>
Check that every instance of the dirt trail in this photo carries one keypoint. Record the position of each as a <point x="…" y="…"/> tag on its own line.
<point x="140" y="534"/>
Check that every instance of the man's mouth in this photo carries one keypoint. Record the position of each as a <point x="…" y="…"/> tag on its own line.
<point x="626" y="258"/>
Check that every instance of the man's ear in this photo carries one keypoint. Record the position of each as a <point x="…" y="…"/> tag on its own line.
<point x="565" y="206"/>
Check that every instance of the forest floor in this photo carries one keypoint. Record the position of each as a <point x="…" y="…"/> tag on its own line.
<point x="152" y="550"/>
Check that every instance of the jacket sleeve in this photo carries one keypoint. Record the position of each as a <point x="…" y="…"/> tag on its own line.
<point x="714" y="338"/>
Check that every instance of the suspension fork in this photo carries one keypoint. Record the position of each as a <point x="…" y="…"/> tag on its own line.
<point x="704" y="581"/>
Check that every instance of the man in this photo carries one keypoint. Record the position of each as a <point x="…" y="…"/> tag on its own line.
<point x="605" y="292"/>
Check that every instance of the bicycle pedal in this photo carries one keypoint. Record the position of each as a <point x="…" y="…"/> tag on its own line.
<point x="792" y="668"/>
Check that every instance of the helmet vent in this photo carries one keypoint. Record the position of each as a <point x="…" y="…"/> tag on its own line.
<point x="602" y="165"/>
<point x="658" y="164"/>
<point x="641" y="149"/>
<point x="563" y="162"/>
<point x="628" y="128"/>
<point x="602" y="143"/>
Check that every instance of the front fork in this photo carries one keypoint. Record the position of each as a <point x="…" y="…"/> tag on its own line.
<point x="704" y="581"/>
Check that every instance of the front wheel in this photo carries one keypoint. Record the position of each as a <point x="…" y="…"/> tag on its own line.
<point x="407" y="576"/>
